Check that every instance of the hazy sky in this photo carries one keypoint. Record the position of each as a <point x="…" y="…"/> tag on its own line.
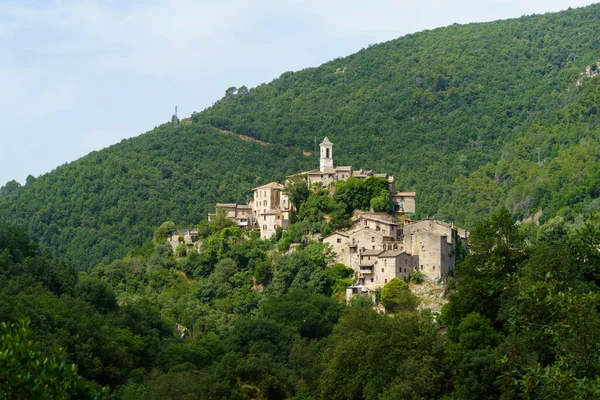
<point x="77" y="76"/>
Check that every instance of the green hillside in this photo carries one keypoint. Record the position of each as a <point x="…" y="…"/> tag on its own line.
<point x="100" y="206"/>
<point x="472" y="117"/>
<point x="434" y="107"/>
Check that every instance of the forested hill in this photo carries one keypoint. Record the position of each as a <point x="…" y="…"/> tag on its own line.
<point x="434" y="107"/>
<point x="102" y="205"/>
<point x="472" y="117"/>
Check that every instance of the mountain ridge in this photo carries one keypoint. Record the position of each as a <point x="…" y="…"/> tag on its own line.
<point x="459" y="114"/>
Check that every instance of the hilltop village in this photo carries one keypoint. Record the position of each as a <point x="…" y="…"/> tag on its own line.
<point x="379" y="246"/>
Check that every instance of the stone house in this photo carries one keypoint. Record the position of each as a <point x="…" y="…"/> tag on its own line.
<point x="189" y="237"/>
<point x="379" y="247"/>
<point x="271" y="209"/>
<point x="241" y="214"/>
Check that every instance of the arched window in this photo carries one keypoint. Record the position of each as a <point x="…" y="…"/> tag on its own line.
<point x="326" y="153"/>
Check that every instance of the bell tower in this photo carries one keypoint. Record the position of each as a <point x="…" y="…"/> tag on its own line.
<point x="326" y="160"/>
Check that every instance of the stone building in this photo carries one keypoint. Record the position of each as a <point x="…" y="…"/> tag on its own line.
<point x="241" y="214"/>
<point x="327" y="174"/>
<point x="270" y="207"/>
<point x="188" y="237"/>
<point x="380" y="247"/>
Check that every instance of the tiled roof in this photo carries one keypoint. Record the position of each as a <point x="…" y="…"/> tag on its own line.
<point x="371" y="252"/>
<point x="391" y="253"/>
<point x="406" y="194"/>
<point x="272" y="185"/>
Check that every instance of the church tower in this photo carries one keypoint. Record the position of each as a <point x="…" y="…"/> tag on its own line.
<point x="326" y="160"/>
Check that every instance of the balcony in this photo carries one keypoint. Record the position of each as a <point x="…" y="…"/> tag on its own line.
<point x="365" y="270"/>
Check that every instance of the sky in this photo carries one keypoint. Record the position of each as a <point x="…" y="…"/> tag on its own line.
<point x="78" y="76"/>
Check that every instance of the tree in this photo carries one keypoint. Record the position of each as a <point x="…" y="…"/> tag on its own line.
<point x="26" y="373"/>
<point x="397" y="297"/>
<point x="497" y="250"/>
<point x="297" y="190"/>
<point x="160" y="234"/>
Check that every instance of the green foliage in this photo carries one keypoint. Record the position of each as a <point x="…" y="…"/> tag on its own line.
<point x="296" y="188"/>
<point x="99" y="207"/>
<point x="160" y="234"/>
<point x="484" y="121"/>
<point x="27" y="373"/>
<point x="493" y="117"/>
<point x="417" y="277"/>
<point x="396" y="297"/>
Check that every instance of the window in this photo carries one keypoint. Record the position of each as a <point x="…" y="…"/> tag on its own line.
<point x="365" y="222"/>
<point x="382" y="269"/>
<point x="404" y="269"/>
<point x="339" y="240"/>
<point x="422" y="248"/>
<point x="377" y="228"/>
<point x="372" y="239"/>
<point x="386" y="281"/>
<point x="265" y="203"/>
<point x="434" y="267"/>
<point x="264" y="217"/>
<point x="371" y="279"/>
<point x="421" y="267"/>
<point x="326" y="153"/>
<point x="264" y="227"/>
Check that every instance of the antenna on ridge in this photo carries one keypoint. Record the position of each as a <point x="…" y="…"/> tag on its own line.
<point x="175" y="119"/>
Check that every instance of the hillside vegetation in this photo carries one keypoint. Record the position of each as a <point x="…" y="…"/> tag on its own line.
<point x="239" y="320"/>
<point x="473" y="117"/>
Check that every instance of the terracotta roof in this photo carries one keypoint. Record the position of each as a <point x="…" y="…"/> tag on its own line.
<point x="367" y="263"/>
<point x="380" y="175"/>
<point x="272" y="185"/>
<point x="330" y="170"/>
<point x="405" y="194"/>
<point x="222" y="205"/>
<point x="382" y="217"/>
<point x="335" y="233"/>
<point x="303" y="173"/>
<point x="371" y="252"/>
<point x="391" y="253"/>
<point x="344" y="168"/>
<point x="362" y="227"/>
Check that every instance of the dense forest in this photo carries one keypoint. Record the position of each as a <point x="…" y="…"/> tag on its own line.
<point x="489" y="123"/>
<point x="239" y="320"/>
<point x="472" y="117"/>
